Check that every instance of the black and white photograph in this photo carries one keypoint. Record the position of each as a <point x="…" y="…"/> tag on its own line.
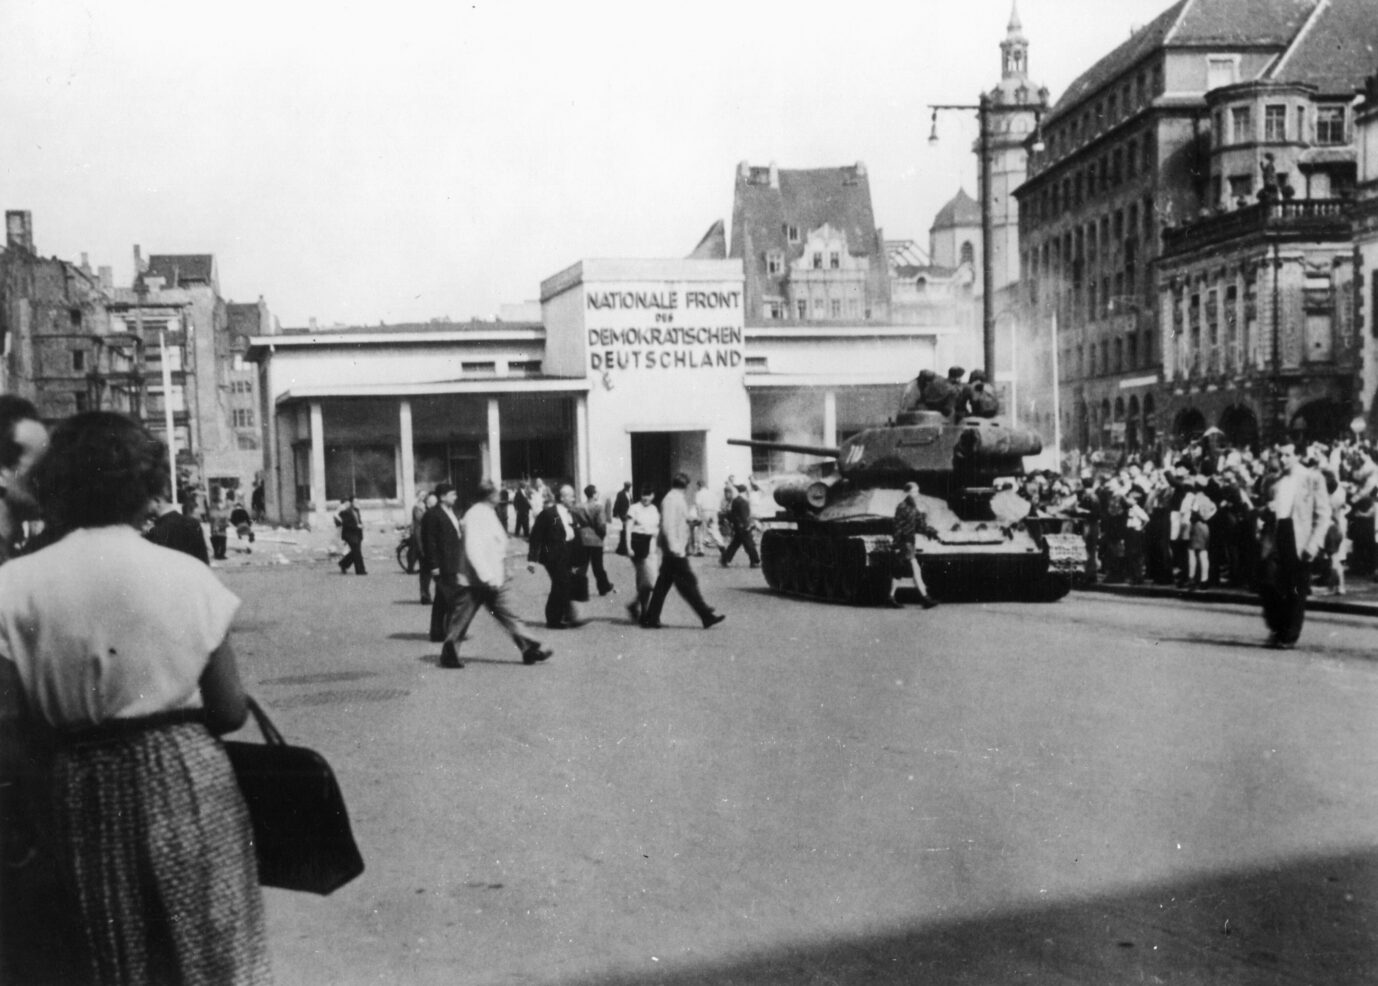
<point x="694" y="494"/>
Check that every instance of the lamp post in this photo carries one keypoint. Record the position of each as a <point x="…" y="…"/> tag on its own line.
<point x="982" y="110"/>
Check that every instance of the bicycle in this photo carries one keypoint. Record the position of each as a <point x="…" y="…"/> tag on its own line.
<point x="407" y="556"/>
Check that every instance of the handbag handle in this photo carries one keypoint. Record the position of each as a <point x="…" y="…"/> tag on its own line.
<point x="265" y="725"/>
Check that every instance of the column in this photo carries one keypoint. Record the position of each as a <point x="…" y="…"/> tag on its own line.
<point x="830" y="418"/>
<point x="408" y="486"/>
<point x="582" y="472"/>
<point x="317" y="459"/>
<point x="494" y="443"/>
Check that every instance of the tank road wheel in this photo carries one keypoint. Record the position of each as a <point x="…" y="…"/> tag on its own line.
<point x="848" y="571"/>
<point x="817" y="576"/>
<point x="789" y="564"/>
<point x="1052" y="587"/>
<point x="773" y="545"/>
<point x="875" y="578"/>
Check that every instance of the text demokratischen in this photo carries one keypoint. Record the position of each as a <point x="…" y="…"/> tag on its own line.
<point x="664" y="345"/>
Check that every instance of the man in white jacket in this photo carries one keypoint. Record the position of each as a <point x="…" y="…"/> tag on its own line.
<point x="485" y="563"/>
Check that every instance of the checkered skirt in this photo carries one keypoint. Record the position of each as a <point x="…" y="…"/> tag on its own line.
<point x="158" y="845"/>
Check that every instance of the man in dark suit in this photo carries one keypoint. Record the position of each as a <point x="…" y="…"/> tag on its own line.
<point x="173" y="529"/>
<point x="620" y="506"/>
<point x="521" y="503"/>
<point x="351" y="525"/>
<point x="443" y="548"/>
<point x="555" y="544"/>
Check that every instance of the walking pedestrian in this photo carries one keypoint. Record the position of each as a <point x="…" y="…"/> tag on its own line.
<point x="146" y="819"/>
<point x="1299" y="516"/>
<point x="243" y="523"/>
<point x="740" y="519"/>
<point x="643" y="524"/>
<point x="485" y="581"/>
<point x="521" y="503"/>
<point x="219" y="519"/>
<point x="620" y="506"/>
<point x="258" y="501"/>
<point x="418" y="543"/>
<point x="910" y="521"/>
<point x="709" y="530"/>
<point x="593" y="532"/>
<point x="674" y="563"/>
<point x="443" y="539"/>
<point x="351" y="525"/>
<point x="556" y="545"/>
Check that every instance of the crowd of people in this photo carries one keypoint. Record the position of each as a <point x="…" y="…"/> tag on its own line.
<point x="566" y="537"/>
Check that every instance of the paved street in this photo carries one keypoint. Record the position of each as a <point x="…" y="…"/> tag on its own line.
<point x="1101" y="790"/>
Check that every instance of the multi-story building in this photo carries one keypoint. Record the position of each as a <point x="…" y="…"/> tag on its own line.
<point x="243" y="322"/>
<point x="1257" y="296"/>
<point x="1125" y="153"/>
<point x="59" y="349"/>
<point x="1365" y="219"/>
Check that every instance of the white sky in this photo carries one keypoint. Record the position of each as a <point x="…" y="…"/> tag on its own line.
<point x="399" y="161"/>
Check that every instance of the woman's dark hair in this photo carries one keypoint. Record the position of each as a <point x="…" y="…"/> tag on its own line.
<point x="100" y="469"/>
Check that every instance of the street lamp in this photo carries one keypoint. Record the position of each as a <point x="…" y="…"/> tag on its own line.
<point x="982" y="110"/>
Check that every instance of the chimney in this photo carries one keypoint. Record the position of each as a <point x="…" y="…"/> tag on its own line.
<point x="19" y="230"/>
<point x="139" y="265"/>
<point x="861" y="169"/>
<point x="774" y="175"/>
<point x="85" y="264"/>
<point x="107" y="278"/>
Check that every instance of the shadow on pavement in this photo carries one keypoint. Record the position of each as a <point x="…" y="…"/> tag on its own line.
<point x="1304" y="921"/>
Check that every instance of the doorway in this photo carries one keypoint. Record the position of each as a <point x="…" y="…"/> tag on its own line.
<point x="658" y="455"/>
<point x="652" y="460"/>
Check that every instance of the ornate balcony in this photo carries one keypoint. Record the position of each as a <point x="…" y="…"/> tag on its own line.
<point x="1311" y="218"/>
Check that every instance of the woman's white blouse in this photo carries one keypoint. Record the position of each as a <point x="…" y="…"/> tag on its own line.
<point x="105" y="625"/>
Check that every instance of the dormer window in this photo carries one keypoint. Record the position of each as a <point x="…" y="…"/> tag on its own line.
<point x="791" y="232"/>
<point x="775" y="263"/>
<point x="1330" y="125"/>
<point x="834" y="260"/>
<point x="818" y="260"/>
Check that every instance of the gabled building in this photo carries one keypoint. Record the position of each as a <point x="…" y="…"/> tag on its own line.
<point x="808" y="242"/>
<point x="1126" y="153"/>
<point x="1256" y="295"/>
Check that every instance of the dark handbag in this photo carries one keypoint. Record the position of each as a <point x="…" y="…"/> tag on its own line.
<point x="301" y="827"/>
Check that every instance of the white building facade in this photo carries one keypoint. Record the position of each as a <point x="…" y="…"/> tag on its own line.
<point x="637" y="370"/>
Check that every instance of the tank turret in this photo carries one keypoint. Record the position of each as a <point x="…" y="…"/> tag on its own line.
<point x="832" y="536"/>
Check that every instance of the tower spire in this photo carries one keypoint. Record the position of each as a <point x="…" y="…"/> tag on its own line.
<point x="1014" y="50"/>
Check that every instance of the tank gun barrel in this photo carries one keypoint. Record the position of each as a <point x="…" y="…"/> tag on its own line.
<point x="824" y="451"/>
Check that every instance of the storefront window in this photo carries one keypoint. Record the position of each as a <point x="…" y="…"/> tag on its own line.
<point x="368" y="472"/>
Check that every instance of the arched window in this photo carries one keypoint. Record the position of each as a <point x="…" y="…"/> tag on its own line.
<point x="968" y="252"/>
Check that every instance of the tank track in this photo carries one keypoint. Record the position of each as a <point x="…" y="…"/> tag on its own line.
<point x="856" y="570"/>
<point x="852" y="570"/>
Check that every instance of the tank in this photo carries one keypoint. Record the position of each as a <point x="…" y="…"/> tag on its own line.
<point x="831" y="538"/>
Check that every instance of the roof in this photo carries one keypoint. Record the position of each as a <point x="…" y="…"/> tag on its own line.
<point x="1335" y="51"/>
<point x="473" y="325"/>
<point x="713" y="246"/>
<point x="179" y="269"/>
<point x="961" y="210"/>
<point x="806" y="199"/>
<point x="1227" y="24"/>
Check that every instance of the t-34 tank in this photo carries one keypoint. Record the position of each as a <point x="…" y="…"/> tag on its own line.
<point x="982" y="544"/>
